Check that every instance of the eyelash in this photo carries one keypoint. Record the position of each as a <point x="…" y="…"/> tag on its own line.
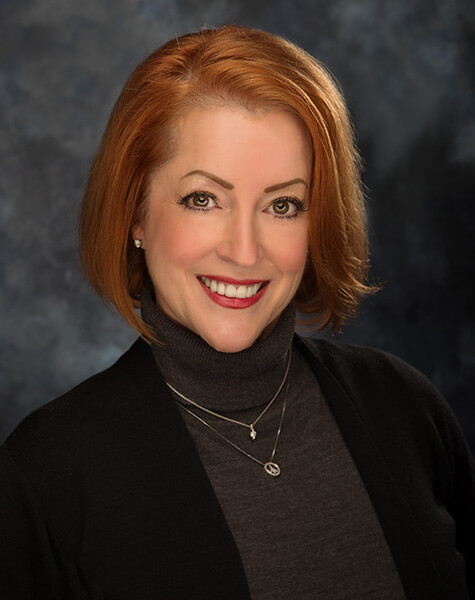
<point x="184" y="201"/>
<point x="299" y="205"/>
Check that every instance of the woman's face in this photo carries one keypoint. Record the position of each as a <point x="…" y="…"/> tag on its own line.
<point x="226" y="232"/>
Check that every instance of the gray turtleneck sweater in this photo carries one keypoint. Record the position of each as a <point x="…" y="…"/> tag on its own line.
<point x="310" y="532"/>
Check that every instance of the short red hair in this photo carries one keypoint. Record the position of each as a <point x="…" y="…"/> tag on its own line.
<point x="260" y="72"/>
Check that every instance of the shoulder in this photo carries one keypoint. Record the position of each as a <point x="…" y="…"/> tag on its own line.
<point x="97" y="403"/>
<point x="393" y="399"/>
<point x="357" y="366"/>
<point x="384" y="390"/>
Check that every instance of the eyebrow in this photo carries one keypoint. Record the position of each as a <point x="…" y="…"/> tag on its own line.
<point x="229" y="186"/>
<point x="215" y="178"/>
<point x="279" y="186"/>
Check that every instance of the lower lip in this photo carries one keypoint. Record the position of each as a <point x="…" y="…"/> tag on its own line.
<point x="233" y="302"/>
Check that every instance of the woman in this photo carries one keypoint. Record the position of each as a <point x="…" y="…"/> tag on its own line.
<point x="222" y="456"/>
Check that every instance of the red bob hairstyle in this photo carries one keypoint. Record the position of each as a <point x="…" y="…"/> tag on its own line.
<point x="260" y="72"/>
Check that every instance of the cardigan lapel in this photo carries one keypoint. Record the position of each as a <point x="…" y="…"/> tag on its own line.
<point x="419" y="576"/>
<point x="210" y="563"/>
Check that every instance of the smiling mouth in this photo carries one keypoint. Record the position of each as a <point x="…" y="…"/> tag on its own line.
<point x="231" y="290"/>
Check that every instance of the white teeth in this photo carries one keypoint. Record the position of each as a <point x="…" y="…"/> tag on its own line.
<point x="241" y="292"/>
<point x="253" y="289"/>
<point x="229" y="290"/>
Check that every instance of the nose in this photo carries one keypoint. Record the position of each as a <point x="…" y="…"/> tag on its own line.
<point x="240" y="242"/>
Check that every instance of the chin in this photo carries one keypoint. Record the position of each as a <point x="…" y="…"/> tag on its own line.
<point x="231" y="346"/>
<point x="227" y="342"/>
<point x="235" y="336"/>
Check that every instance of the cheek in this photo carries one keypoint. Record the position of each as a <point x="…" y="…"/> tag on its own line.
<point x="290" y="253"/>
<point x="179" y="241"/>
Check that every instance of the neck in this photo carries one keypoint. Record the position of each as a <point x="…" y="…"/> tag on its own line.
<point x="220" y="381"/>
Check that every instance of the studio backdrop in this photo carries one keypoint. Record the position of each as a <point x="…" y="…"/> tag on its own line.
<point x="407" y="71"/>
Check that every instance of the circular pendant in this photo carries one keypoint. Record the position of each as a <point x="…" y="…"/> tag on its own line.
<point x="272" y="468"/>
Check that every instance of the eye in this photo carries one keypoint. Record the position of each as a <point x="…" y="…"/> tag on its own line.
<point x="199" y="201"/>
<point x="286" y="208"/>
<point x="282" y="207"/>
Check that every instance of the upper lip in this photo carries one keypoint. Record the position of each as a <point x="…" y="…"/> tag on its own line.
<point x="234" y="281"/>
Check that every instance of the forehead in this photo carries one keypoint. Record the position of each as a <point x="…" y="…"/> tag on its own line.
<point x="226" y="138"/>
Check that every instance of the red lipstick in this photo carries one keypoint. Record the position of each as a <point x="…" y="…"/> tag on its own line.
<point x="234" y="302"/>
<point x="233" y="281"/>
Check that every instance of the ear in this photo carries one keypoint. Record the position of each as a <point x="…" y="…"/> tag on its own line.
<point x="138" y="233"/>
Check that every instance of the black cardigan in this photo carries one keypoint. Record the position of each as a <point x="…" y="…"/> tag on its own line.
<point x="103" y="495"/>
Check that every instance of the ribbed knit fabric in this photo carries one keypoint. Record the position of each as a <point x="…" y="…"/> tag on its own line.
<point x="311" y="532"/>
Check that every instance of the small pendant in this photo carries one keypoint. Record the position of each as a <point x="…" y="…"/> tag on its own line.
<point x="253" y="432"/>
<point x="272" y="468"/>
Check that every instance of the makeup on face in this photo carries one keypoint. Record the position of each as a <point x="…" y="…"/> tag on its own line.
<point x="226" y="232"/>
<point x="233" y="293"/>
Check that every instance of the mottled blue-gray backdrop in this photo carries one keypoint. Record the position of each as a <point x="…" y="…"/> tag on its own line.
<point x="407" y="70"/>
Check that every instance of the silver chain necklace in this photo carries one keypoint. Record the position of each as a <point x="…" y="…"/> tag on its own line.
<point x="270" y="467"/>
<point x="250" y="426"/>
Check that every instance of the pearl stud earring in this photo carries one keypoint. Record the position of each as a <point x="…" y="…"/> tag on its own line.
<point x="138" y="243"/>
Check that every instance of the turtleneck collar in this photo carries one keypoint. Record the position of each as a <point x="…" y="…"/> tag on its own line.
<point x="220" y="381"/>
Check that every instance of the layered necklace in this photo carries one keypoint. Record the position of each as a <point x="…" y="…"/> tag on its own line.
<point x="270" y="467"/>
